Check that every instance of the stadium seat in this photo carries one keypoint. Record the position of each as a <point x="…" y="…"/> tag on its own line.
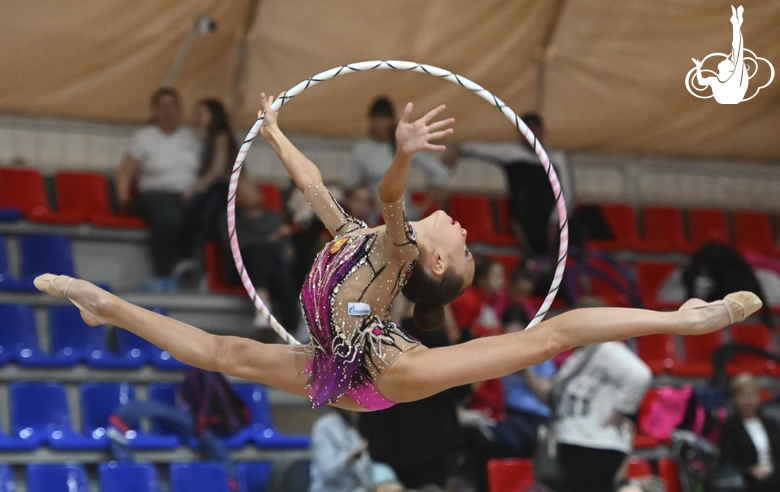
<point x="659" y="352"/>
<point x="86" y="193"/>
<point x="698" y="355"/>
<point x="261" y="429"/>
<point x="136" y="348"/>
<point x="475" y="214"/>
<point x="252" y="475"/>
<point x="45" y="253"/>
<point x="7" y="279"/>
<point x="615" y="291"/>
<point x="622" y="223"/>
<point x="667" y="470"/>
<point x="117" y="476"/>
<point x="9" y="214"/>
<point x="198" y="476"/>
<point x="650" y="276"/>
<point x="215" y="271"/>
<point x="707" y="225"/>
<point x="69" y="477"/>
<point x="272" y="198"/>
<point x="510" y="475"/>
<point x="663" y="230"/>
<point x="753" y="231"/>
<point x="638" y="467"/>
<point x="39" y="413"/>
<point x="163" y="393"/>
<point x="7" y="479"/>
<point x="756" y="335"/>
<point x="98" y="402"/>
<point x="18" y="333"/>
<point x="25" y="190"/>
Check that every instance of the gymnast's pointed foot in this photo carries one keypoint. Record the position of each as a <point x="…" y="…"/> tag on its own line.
<point x="65" y="286"/>
<point x="704" y="317"/>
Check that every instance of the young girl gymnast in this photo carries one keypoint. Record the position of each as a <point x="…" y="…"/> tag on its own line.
<point x="358" y="358"/>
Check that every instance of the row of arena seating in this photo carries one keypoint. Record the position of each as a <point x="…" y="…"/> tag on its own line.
<point x="139" y="477"/>
<point x="517" y="475"/>
<point x="71" y="341"/>
<point x="84" y="197"/>
<point x="81" y="197"/>
<point x="663" y="227"/>
<point x="40" y="416"/>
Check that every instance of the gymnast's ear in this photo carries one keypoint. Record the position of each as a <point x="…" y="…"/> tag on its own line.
<point x="437" y="263"/>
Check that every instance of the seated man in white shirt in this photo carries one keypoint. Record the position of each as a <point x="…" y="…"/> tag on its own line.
<point x="372" y="156"/>
<point x="164" y="159"/>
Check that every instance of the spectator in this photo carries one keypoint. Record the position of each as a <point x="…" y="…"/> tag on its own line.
<point x="164" y="157"/>
<point x="372" y="156"/>
<point x="519" y="306"/>
<point x="595" y="408"/>
<point x="749" y="441"/>
<point x="359" y="203"/>
<point x="265" y="248"/>
<point x="480" y="308"/>
<point x="208" y="196"/>
<point x="535" y="217"/>
<point x="417" y="439"/>
<point x="340" y="459"/>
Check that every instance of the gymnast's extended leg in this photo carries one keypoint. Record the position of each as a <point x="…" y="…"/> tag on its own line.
<point x="273" y="365"/>
<point x="422" y="372"/>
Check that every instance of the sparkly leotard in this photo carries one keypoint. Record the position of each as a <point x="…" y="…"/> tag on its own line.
<point x="346" y="301"/>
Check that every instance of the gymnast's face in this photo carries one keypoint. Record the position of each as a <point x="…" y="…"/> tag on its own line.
<point x="445" y="239"/>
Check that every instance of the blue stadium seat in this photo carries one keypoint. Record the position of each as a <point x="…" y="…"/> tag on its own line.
<point x="198" y="476"/>
<point x="7" y="280"/>
<point x="12" y="443"/>
<point x="57" y="478"/>
<point x="261" y="429"/>
<point x="18" y="333"/>
<point x="98" y="402"/>
<point x="6" y="479"/>
<point x="135" y="347"/>
<point x="164" y="393"/>
<point x="45" y="253"/>
<point x="253" y="475"/>
<point x="128" y="477"/>
<point x="74" y="341"/>
<point x="8" y="214"/>
<point x="39" y="414"/>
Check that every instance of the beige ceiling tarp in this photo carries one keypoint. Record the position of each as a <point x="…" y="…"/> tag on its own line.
<point x="613" y="76"/>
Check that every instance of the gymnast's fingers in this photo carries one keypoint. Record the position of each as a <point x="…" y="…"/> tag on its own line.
<point x="428" y="117"/>
<point x="440" y="124"/>
<point x="435" y="147"/>
<point x="407" y="112"/>
<point x="441" y="134"/>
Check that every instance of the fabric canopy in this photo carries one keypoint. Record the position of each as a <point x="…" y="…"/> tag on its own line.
<point x="606" y="76"/>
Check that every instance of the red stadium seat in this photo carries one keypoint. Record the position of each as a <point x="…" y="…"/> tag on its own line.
<point x="510" y="475"/>
<point x="25" y="190"/>
<point x="622" y="223"/>
<point x="215" y="273"/>
<point x="663" y="230"/>
<point x="758" y="336"/>
<point x="610" y="294"/>
<point x="476" y="215"/>
<point x="419" y="198"/>
<point x="638" y="467"/>
<point x="650" y="277"/>
<point x="698" y="355"/>
<point x="753" y="231"/>
<point x="658" y="351"/>
<point x="87" y="194"/>
<point x="667" y="470"/>
<point x="642" y="441"/>
<point x="272" y="198"/>
<point x="707" y="225"/>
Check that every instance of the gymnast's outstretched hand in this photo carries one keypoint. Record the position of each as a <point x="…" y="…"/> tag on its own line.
<point x="268" y="113"/>
<point x="415" y="136"/>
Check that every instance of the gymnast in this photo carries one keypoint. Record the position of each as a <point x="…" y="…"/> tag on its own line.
<point x="358" y="358"/>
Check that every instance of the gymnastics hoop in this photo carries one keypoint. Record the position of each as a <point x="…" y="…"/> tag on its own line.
<point x="409" y="67"/>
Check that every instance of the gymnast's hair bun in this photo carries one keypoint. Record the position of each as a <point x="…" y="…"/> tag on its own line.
<point x="428" y="317"/>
